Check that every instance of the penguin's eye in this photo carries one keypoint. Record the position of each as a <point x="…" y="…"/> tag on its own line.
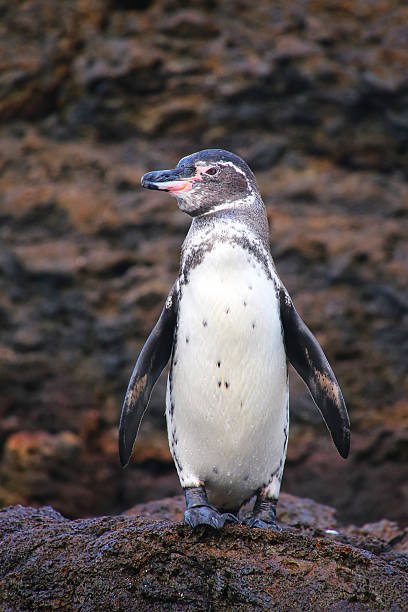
<point x="212" y="171"/>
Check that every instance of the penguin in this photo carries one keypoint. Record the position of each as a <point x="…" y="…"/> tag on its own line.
<point x="229" y="329"/>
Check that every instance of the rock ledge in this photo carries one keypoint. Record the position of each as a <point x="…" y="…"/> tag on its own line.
<point x="127" y="562"/>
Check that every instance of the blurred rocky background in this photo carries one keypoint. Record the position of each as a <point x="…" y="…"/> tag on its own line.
<point x="93" y="93"/>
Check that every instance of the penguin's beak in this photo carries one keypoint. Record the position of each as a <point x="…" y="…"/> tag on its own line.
<point x="179" y="179"/>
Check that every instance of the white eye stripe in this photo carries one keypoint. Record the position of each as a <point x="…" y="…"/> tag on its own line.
<point x="232" y="165"/>
<point x="203" y="167"/>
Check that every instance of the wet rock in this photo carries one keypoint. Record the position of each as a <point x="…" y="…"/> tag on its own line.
<point x="387" y="531"/>
<point x="147" y="563"/>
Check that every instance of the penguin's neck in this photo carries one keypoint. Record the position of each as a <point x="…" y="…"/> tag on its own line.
<point x="247" y="215"/>
<point x="241" y="225"/>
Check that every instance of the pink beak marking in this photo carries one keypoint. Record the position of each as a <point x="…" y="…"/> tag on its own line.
<point x="186" y="185"/>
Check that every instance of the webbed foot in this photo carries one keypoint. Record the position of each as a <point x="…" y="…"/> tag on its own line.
<point x="201" y="512"/>
<point x="263" y="515"/>
<point x="207" y="515"/>
<point x="253" y="521"/>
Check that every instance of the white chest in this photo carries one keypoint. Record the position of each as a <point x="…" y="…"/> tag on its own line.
<point x="227" y="406"/>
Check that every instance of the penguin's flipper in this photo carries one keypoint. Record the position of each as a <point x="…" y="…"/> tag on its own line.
<point x="152" y="359"/>
<point x="307" y="357"/>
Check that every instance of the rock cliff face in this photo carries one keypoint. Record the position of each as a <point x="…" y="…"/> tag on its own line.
<point x="95" y="93"/>
<point x="151" y="563"/>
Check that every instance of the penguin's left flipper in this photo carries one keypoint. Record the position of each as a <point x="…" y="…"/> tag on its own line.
<point x="151" y="362"/>
<point x="307" y="357"/>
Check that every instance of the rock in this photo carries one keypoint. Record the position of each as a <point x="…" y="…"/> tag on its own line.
<point x="145" y="563"/>
<point x="189" y="24"/>
<point x="387" y="531"/>
<point x="266" y="153"/>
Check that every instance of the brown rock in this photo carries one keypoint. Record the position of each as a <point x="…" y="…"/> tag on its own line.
<point x="190" y="24"/>
<point x="147" y="564"/>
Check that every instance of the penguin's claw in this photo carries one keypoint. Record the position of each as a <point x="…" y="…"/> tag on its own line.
<point x="205" y="515"/>
<point x="253" y="521"/>
<point x="231" y="518"/>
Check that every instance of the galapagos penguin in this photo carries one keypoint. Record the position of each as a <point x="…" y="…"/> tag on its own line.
<point x="229" y="328"/>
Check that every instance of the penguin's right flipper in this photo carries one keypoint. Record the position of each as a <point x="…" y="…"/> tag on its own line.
<point x="307" y="357"/>
<point x="152" y="359"/>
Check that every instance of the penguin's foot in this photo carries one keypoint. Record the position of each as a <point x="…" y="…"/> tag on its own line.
<point x="207" y="515"/>
<point x="263" y="515"/>
<point x="253" y="521"/>
<point x="200" y="512"/>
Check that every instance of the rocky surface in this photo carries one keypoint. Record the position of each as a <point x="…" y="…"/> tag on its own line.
<point x="92" y="95"/>
<point x="146" y="561"/>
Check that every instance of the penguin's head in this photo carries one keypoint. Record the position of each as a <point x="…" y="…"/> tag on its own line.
<point x="206" y="181"/>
